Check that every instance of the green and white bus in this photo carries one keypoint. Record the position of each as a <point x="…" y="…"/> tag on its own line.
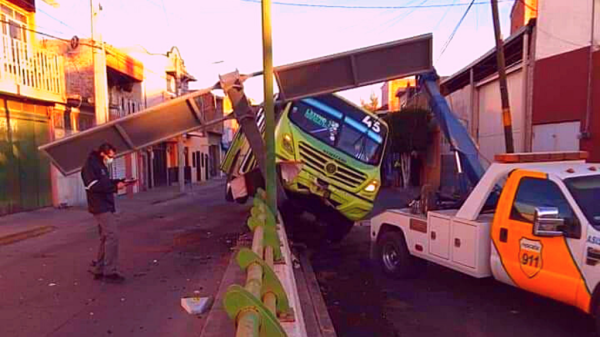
<point x="339" y="148"/>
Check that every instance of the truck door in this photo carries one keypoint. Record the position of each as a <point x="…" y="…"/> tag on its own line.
<point x="544" y="265"/>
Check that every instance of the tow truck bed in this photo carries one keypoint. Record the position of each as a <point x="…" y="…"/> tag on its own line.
<point x="441" y="237"/>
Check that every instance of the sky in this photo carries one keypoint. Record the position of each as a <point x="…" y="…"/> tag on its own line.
<point x="219" y="36"/>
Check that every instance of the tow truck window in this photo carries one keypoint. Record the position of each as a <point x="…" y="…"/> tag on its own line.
<point x="585" y="191"/>
<point x="534" y="192"/>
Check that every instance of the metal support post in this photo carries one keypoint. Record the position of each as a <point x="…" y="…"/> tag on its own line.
<point x="180" y="163"/>
<point x="270" y="174"/>
<point x="99" y="59"/>
<point x="506" y="116"/>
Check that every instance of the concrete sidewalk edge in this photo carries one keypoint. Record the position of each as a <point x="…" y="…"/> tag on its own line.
<point x="24" y="235"/>
<point x="316" y="316"/>
<point x="317" y="319"/>
<point x="218" y="323"/>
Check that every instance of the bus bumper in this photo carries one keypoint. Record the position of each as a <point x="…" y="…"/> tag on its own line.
<point x="347" y="203"/>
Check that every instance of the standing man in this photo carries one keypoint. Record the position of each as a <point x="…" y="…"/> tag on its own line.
<point x="100" y="191"/>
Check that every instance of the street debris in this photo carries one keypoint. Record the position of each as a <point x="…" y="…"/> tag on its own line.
<point x="196" y="305"/>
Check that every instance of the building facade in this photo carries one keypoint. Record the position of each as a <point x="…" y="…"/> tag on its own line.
<point x="553" y="68"/>
<point x="125" y="76"/>
<point x="32" y="90"/>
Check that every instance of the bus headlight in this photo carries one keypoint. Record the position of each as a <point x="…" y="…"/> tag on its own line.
<point x="288" y="144"/>
<point x="372" y="187"/>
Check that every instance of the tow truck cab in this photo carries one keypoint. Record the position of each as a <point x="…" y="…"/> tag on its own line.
<point x="543" y="235"/>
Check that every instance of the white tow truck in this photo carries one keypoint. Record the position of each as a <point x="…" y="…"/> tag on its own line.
<point x="542" y="233"/>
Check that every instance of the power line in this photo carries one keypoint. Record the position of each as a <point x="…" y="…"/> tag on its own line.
<point x="414" y="8"/>
<point x="443" y="16"/>
<point x="395" y="19"/>
<point x="373" y="7"/>
<point x="456" y="29"/>
<point x="56" y="19"/>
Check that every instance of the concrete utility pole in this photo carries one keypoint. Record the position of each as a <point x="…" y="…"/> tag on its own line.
<point x="99" y="57"/>
<point x="506" y="116"/>
<point x="180" y="151"/>
<point x="181" y="170"/>
<point x="270" y="174"/>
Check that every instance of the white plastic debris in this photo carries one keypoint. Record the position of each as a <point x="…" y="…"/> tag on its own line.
<point x="196" y="305"/>
<point x="51" y="284"/>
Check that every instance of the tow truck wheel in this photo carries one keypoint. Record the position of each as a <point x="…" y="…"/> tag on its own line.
<point x="395" y="259"/>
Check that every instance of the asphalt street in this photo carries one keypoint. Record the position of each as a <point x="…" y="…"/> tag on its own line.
<point x="364" y="303"/>
<point x="169" y="249"/>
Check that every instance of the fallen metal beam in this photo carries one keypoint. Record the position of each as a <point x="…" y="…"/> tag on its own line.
<point x="191" y="112"/>
<point x="136" y="131"/>
<point x="355" y="68"/>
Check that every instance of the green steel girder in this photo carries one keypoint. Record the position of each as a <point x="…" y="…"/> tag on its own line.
<point x="237" y="299"/>
<point x="271" y="283"/>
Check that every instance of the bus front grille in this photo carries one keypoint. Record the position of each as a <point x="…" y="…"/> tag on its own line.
<point x="318" y="161"/>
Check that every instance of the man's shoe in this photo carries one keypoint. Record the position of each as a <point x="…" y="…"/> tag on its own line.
<point x="97" y="275"/>
<point x="117" y="278"/>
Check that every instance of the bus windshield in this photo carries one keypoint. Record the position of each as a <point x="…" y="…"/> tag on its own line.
<point x="342" y="126"/>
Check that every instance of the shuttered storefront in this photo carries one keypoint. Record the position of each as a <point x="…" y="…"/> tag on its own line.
<point x="24" y="172"/>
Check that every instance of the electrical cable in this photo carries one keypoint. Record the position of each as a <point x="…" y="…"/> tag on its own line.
<point x="395" y="22"/>
<point x="56" y="19"/>
<point x="451" y="37"/>
<point x="372" y="7"/>
<point x="443" y="17"/>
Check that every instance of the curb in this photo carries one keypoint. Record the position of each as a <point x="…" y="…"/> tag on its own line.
<point x="317" y="318"/>
<point x="24" y="235"/>
<point x="217" y="322"/>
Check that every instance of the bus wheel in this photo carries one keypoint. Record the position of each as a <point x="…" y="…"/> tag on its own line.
<point x="394" y="258"/>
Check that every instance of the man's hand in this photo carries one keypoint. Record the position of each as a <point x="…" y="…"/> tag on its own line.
<point x="120" y="185"/>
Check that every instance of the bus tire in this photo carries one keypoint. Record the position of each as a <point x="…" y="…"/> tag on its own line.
<point x="393" y="256"/>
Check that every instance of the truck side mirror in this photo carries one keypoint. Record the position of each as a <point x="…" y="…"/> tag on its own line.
<point x="546" y="222"/>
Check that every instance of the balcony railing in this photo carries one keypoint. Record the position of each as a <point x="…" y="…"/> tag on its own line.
<point x="28" y="71"/>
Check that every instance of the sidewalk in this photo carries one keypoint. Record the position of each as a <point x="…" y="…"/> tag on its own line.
<point x="20" y="226"/>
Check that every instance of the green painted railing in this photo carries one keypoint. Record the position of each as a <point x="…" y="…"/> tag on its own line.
<point x="257" y="306"/>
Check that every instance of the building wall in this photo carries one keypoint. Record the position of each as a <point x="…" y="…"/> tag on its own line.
<point x="521" y="13"/>
<point x="490" y="127"/>
<point x="391" y="88"/>
<point x="565" y="26"/>
<point x="482" y="115"/>
<point x="560" y="88"/>
<point x="562" y="70"/>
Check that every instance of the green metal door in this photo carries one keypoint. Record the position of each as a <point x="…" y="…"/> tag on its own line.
<point x="24" y="172"/>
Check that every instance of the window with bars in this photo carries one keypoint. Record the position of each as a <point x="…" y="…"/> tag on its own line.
<point x="14" y="23"/>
